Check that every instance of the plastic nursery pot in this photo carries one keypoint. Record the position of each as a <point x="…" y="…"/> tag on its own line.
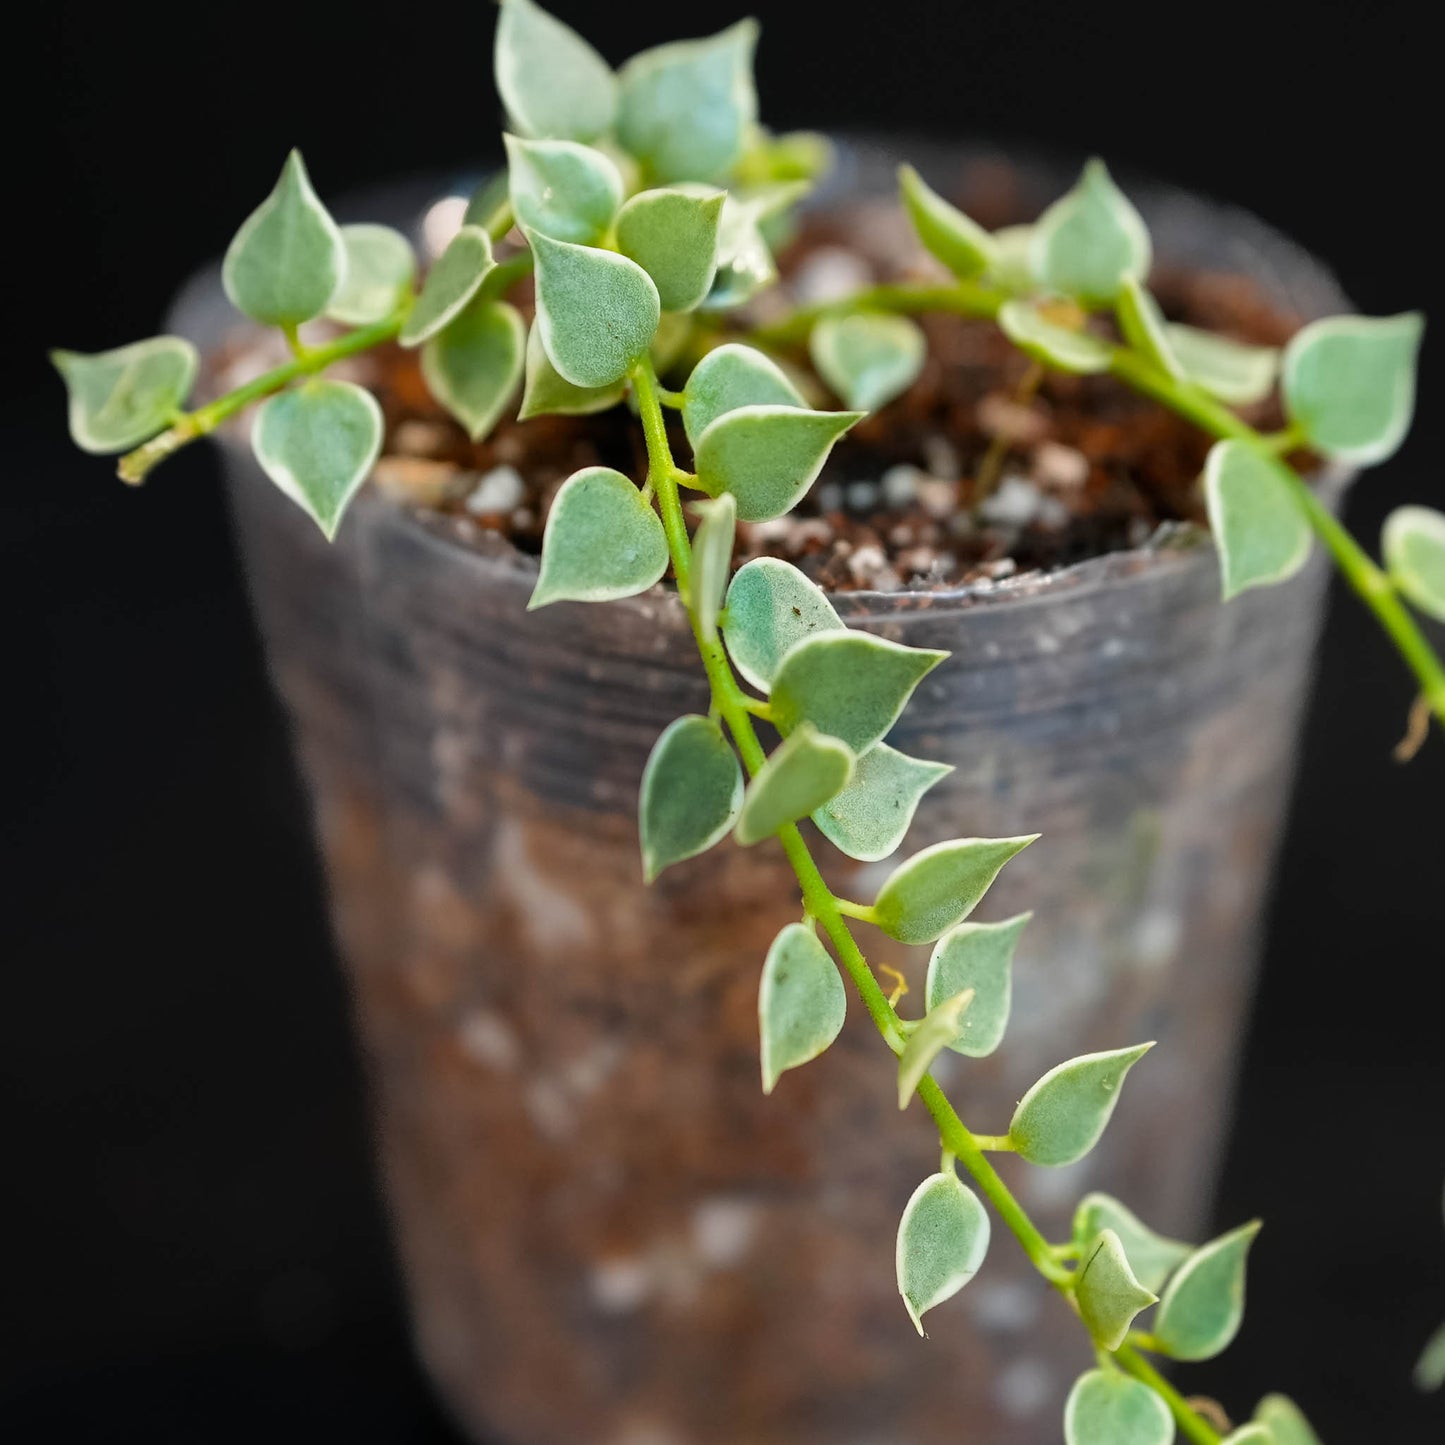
<point x="609" y="1234"/>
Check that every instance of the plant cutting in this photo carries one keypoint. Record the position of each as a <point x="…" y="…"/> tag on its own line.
<point x="642" y="209"/>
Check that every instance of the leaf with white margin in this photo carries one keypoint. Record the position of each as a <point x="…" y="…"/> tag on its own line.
<point x="452" y="282"/>
<point x="380" y="267"/>
<point x="1285" y="1421"/>
<point x="318" y="442"/>
<point x="942" y="1241"/>
<point x="869" y="818"/>
<point x="1063" y="1115"/>
<point x="768" y="456"/>
<point x="473" y="366"/>
<point x="117" y="399"/>
<point x="597" y="311"/>
<point x="1234" y="371"/>
<point x="868" y="358"/>
<point x="1091" y="239"/>
<point x="801" y="775"/>
<point x="1203" y="1304"/>
<point x="930" y="1036"/>
<point x="802" y="1003"/>
<point x="1259" y="528"/>
<point x="1144" y="326"/>
<point x="1349" y="383"/>
<point x="1079" y="352"/>
<point x="692" y="789"/>
<point x="946" y="232"/>
<point x="850" y="685"/>
<point x="562" y="189"/>
<point x="1012" y="266"/>
<point x="1106" y="1407"/>
<point x="672" y="234"/>
<point x="1152" y="1256"/>
<point x="602" y="541"/>
<point x="685" y="108"/>
<point x="745" y="263"/>
<point x="770" y="607"/>
<point x="939" y="887"/>
<point x="547" y="393"/>
<point x="490" y="206"/>
<point x="552" y="82"/>
<point x="1254" y="1434"/>
<point x="729" y="377"/>
<point x="1413" y="544"/>
<point x="978" y="956"/>
<point x="1106" y="1291"/>
<point x="712" y="556"/>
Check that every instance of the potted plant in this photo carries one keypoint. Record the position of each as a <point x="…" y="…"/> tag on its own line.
<point x="610" y="1232"/>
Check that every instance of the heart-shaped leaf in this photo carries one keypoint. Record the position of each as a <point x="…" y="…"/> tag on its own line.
<point x="692" y="789"/>
<point x="1203" y="1304"/>
<point x="1106" y="1407"/>
<point x="712" y="557"/>
<point x="933" y="1033"/>
<point x="934" y="890"/>
<point x="1349" y="383"/>
<point x="1285" y="1421"/>
<point x="1107" y="1293"/>
<point x="801" y="775"/>
<point x="1413" y="542"/>
<point x="942" y="1241"/>
<point x="1234" y="371"/>
<point x="1062" y="347"/>
<point x="380" y="267"/>
<point x="1063" y="1115"/>
<point x="474" y="365"/>
<point x="1152" y="1257"/>
<point x="117" y="399"/>
<point x="450" y="285"/>
<point x="672" y="235"/>
<point x="561" y="189"/>
<point x="553" y="83"/>
<point x="602" y="541"/>
<point x="730" y="377"/>
<point x="288" y="259"/>
<point x="1091" y="239"/>
<point x="1012" y="266"/>
<point x="770" y="607"/>
<point x="596" y="311"/>
<point x="977" y="956"/>
<point x="1144" y="326"/>
<point x="801" y="1003"/>
<point x="547" y="393"/>
<point x="868" y="358"/>
<point x="869" y="818"/>
<point x="745" y="262"/>
<point x="318" y="442"/>
<point x="960" y="243"/>
<point x="1259" y="528"/>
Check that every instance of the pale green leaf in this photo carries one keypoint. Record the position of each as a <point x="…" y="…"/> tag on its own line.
<point x="1234" y="371"/>
<point x="868" y="358"/>
<point x="553" y="83"/>
<point x="692" y="789"/>
<point x="602" y="541"/>
<point x="1349" y="383"/>
<point x="318" y="442"/>
<point x="672" y="235"/>
<point x="934" y="890"/>
<point x="1106" y="1407"/>
<point x="1413" y="543"/>
<point x="473" y="366"/>
<point x="942" y="1240"/>
<point x="1080" y="352"/>
<point x="449" y="285"/>
<point x="1203" y="1304"/>
<point x="380" y="267"/>
<point x="960" y="243"/>
<point x="1152" y="1257"/>
<point x="597" y="311"/>
<point x="117" y="399"/>
<point x="490" y="206"/>
<point x="799" y="155"/>
<point x="1286" y="1422"/>
<point x="801" y="1003"/>
<point x="801" y="775"/>
<point x="745" y="263"/>
<point x="1429" y="1372"/>
<point x="977" y="956"/>
<point x="712" y="557"/>
<point x="562" y="189"/>
<point x="1063" y="1115"/>
<point x="1144" y="326"/>
<point x="770" y="607"/>
<point x="933" y="1033"/>
<point x="868" y="819"/>
<point x="1259" y="528"/>
<point x="547" y="393"/>
<point x="1091" y="239"/>
<point x="849" y="685"/>
<point x="1012" y="266"/>
<point x="768" y="456"/>
<point x="1250" y="1435"/>
<point x="730" y="377"/>
<point x="686" y="107"/>
<point x="1107" y="1293"/>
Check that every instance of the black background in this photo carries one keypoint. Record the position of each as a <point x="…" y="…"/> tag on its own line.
<point x="193" y="1246"/>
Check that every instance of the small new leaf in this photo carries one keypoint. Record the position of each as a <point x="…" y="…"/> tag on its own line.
<point x="602" y="541"/>
<point x="935" y="1032"/>
<point x="672" y="235"/>
<point x="117" y="399"/>
<point x="450" y="284"/>
<point x="318" y="442"/>
<point x="1259" y="528"/>
<point x="1152" y="1257"/>
<point x="1106" y="1407"/>
<point x="770" y="607"/>
<point x="1108" y="1294"/>
<point x="1062" y="1116"/>
<point x="744" y="259"/>
<point x="868" y="358"/>
<point x="801" y="1003"/>
<point x="1285" y="1421"/>
<point x="1413" y="543"/>
<point x="548" y="393"/>
<point x="1203" y="1304"/>
<point x="1089" y="241"/>
<point x="712" y="555"/>
<point x="473" y="366"/>
<point x="935" y="889"/>
<point x="730" y="377"/>
<point x="869" y="818"/>
<point x="1012" y="266"/>
<point x="977" y="956"/>
<point x="960" y="243"/>
<point x="942" y="1240"/>
<point x="553" y="83"/>
<point x="1062" y="347"/>
<point x="692" y="789"/>
<point x="1234" y="371"/>
<point x="801" y="775"/>
<point x="561" y="189"/>
<point x="288" y="260"/>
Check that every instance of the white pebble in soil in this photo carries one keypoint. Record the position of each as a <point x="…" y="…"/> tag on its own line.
<point x="1015" y="503"/>
<point x="496" y="492"/>
<point x="620" y="1285"/>
<point x="723" y="1230"/>
<point x="900" y="485"/>
<point x="829" y="274"/>
<point x="862" y="496"/>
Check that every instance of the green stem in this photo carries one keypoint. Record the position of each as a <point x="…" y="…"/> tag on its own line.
<point x="1189" y="1420"/>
